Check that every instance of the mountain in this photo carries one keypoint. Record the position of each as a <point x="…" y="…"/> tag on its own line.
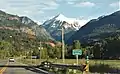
<point x="71" y="25"/>
<point x="97" y="29"/>
<point x="23" y="24"/>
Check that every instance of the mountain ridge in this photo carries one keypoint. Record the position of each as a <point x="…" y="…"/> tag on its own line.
<point x="23" y="24"/>
<point x="106" y="24"/>
<point x="55" y="23"/>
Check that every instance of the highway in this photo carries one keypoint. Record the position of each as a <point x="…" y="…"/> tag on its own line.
<point x="18" y="68"/>
<point x="2" y="62"/>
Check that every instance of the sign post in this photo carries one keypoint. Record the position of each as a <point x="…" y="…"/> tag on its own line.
<point x="86" y="69"/>
<point x="77" y="52"/>
<point x="77" y="59"/>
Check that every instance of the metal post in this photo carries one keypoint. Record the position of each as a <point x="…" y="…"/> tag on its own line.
<point x="77" y="59"/>
<point x="63" y="45"/>
<point x="87" y="65"/>
<point x="40" y="49"/>
<point x="74" y="70"/>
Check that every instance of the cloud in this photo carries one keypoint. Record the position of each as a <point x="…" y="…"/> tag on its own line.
<point x="31" y="8"/>
<point x="50" y="5"/>
<point x="85" y="4"/>
<point x="78" y="3"/>
<point x="71" y="1"/>
<point x="115" y="4"/>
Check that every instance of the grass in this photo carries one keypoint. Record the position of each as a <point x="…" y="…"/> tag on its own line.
<point x="95" y="65"/>
<point x="112" y="63"/>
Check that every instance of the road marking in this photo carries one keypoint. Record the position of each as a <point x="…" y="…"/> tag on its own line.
<point x="3" y="69"/>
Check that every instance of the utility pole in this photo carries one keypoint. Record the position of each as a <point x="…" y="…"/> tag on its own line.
<point x="40" y="51"/>
<point x="63" y="53"/>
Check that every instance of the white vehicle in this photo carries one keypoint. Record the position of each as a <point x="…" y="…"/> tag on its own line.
<point x="11" y="60"/>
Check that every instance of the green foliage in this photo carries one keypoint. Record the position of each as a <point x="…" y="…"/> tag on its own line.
<point x="5" y="48"/>
<point x="50" y="51"/>
<point x="4" y="45"/>
<point x="97" y="51"/>
<point x="105" y="28"/>
<point x="35" y="52"/>
<point x="113" y="48"/>
<point x="15" y="40"/>
<point x="44" y="54"/>
<point x="57" y="52"/>
<point x="15" y="43"/>
<point x="53" y="52"/>
<point x="76" y="44"/>
<point x="66" y="50"/>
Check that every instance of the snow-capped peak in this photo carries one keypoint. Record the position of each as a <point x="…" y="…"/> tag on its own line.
<point x="77" y="23"/>
<point x="72" y="23"/>
<point x="38" y="22"/>
<point x="61" y="17"/>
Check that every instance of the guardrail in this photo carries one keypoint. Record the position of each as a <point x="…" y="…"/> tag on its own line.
<point x="77" y="67"/>
<point x="48" y="65"/>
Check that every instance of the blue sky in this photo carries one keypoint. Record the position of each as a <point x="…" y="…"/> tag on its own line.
<point x="40" y="10"/>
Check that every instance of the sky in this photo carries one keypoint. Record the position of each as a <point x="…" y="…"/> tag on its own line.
<point x="41" y="10"/>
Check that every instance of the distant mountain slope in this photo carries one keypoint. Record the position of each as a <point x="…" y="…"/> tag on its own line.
<point x="104" y="26"/>
<point x="23" y="24"/>
<point x="55" y="23"/>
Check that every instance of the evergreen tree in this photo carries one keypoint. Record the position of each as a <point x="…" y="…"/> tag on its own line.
<point x="44" y="54"/>
<point x="57" y="52"/>
<point x="76" y="44"/>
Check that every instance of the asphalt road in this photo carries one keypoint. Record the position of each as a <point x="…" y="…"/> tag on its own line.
<point x="19" y="70"/>
<point x="2" y="62"/>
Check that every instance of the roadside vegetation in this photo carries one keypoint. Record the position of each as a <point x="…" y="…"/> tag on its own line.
<point x="111" y="63"/>
<point x="99" y="66"/>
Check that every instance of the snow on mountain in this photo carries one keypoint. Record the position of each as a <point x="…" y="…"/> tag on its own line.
<point x="71" y="25"/>
<point x="38" y="22"/>
<point x="71" y="22"/>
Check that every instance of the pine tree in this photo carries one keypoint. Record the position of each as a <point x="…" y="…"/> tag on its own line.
<point x="76" y="44"/>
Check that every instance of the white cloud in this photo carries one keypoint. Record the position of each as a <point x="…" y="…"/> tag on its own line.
<point x="85" y="4"/>
<point x="31" y="8"/>
<point x="71" y="1"/>
<point x="50" y="5"/>
<point x="78" y="3"/>
<point x="115" y="4"/>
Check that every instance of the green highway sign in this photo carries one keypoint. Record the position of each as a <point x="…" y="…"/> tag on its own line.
<point x="77" y="52"/>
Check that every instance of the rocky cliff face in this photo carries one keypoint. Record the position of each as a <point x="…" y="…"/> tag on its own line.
<point x="23" y="24"/>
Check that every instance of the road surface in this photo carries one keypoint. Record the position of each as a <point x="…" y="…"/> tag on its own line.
<point x="19" y="70"/>
<point x="2" y="62"/>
